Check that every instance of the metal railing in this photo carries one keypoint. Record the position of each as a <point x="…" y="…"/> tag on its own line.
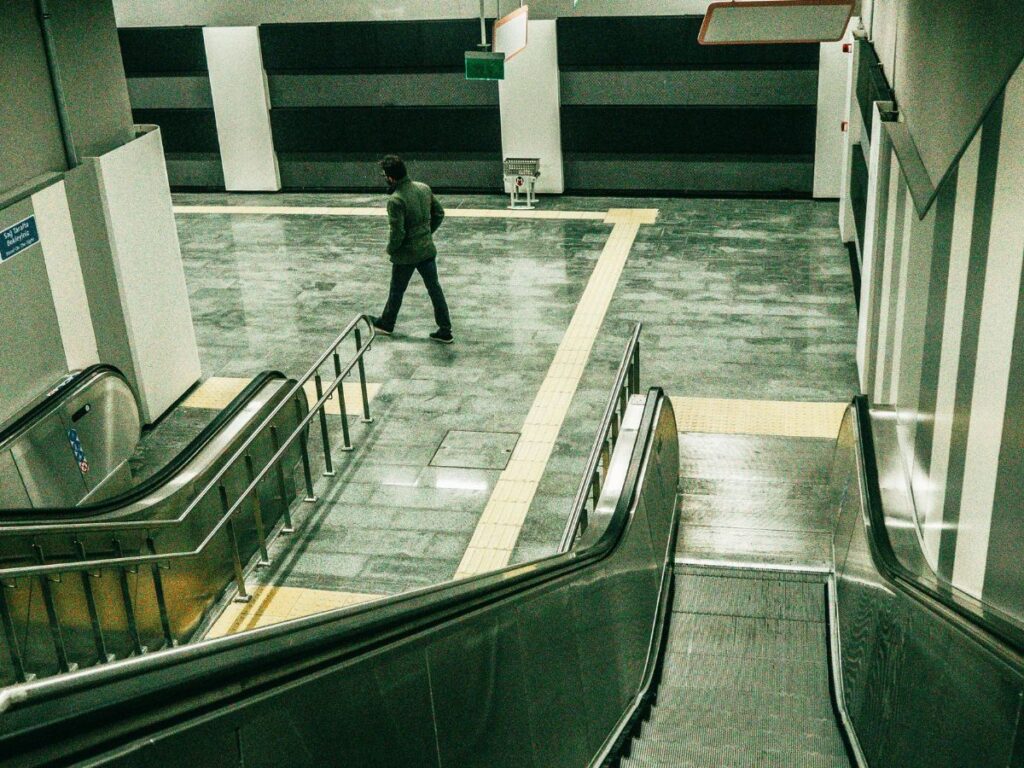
<point x="627" y="383"/>
<point x="49" y="573"/>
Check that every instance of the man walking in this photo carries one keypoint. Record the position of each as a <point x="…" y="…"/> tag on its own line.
<point x="413" y="215"/>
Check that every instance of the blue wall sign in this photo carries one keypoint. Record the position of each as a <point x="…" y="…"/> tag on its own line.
<point x="17" y="237"/>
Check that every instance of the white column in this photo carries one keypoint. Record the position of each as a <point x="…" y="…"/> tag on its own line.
<point x="830" y="143"/>
<point x="995" y="348"/>
<point x="847" y="225"/>
<point x="60" y="254"/>
<point x="531" y="124"/>
<point x="874" y="237"/>
<point x="241" y="103"/>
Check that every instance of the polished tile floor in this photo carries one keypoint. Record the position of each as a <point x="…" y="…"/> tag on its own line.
<point x="739" y="298"/>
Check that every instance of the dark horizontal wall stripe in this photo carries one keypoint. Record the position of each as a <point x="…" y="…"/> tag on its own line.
<point x="367" y="47"/>
<point x="625" y="130"/>
<point x="691" y="87"/>
<point x="859" y="193"/>
<point x="183" y="130"/>
<point x="188" y="92"/>
<point x="447" y="89"/>
<point x="156" y="51"/>
<point x="664" y="42"/>
<point x="361" y="172"/>
<point x="786" y="177"/>
<point x="382" y="130"/>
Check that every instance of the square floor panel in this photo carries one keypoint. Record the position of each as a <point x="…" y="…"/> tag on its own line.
<point x="475" y="450"/>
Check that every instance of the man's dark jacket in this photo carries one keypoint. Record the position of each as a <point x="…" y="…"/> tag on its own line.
<point x="414" y="215"/>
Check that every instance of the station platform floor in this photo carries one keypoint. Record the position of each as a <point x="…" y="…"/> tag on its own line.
<point x="749" y="323"/>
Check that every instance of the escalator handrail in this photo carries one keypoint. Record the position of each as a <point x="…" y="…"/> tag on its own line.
<point x="627" y="382"/>
<point x="33" y="515"/>
<point x="998" y="631"/>
<point x="212" y="486"/>
<point x="69" y="383"/>
<point x="340" y="634"/>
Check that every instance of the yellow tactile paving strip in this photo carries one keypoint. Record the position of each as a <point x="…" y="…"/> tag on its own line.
<point x="758" y="417"/>
<point x="216" y="392"/>
<point x="297" y="210"/>
<point x="272" y="605"/>
<point x="498" y="528"/>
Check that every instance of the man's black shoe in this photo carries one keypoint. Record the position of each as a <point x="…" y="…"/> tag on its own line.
<point x="380" y="328"/>
<point x="442" y="336"/>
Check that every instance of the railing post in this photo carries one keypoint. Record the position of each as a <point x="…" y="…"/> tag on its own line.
<point x="261" y="535"/>
<point x="102" y="655"/>
<point x="129" y="608"/>
<point x="346" y="439"/>
<point x="11" y="636"/>
<point x="362" y="377"/>
<point x="310" y="496"/>
<point x="161" y="601"/>
<point x="328" y="466"/>
<point x="595" y="487"/>
<point x="51" y="614"/>
<point x="243" y="595"/>
<point x="635" y="369"/>
<point x="275" y="443"/>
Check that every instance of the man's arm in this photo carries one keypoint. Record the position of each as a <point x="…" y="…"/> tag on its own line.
<point x="436" y="214"/>
<point x="396" y="219"/>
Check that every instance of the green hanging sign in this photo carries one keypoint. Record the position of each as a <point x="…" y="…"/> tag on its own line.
<point x="484" y="65"/>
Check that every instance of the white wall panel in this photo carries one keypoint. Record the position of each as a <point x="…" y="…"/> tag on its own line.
<point x="949" y="356"/>
<point x="995" y="348"/>
<point x="847" y="225"/>
<point x="241" y="103"/>
<point x="879" y="164"/>
<point x="529" y="99"/>
<point x="60" y="253"/>
<point x="144" y="245"/>
<point x="830" y="143"/>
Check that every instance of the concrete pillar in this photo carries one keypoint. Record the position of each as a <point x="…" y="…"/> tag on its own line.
<point x="241" y="102"/>
<point x="529" y="99"/>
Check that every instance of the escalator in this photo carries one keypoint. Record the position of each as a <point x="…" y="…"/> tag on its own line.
<point x="70" y="494"/>
<point x="97" y="566"/>
<point x="604" y="654"/>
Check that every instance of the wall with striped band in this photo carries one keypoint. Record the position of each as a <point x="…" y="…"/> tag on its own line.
<point x="942" y="342"/>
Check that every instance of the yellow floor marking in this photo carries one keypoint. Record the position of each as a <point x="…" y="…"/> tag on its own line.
<point x="759" y="417"/>
<point x="455" y="213"/>
<point x="216" y="392"/>
<point x="498" y="528"/>
<point x="272" y="605"/>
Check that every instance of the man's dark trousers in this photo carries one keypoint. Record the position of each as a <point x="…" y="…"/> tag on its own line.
<point x="401" y="274"/>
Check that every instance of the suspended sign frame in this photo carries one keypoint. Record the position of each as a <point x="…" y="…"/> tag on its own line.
<point x="511" y="32"/>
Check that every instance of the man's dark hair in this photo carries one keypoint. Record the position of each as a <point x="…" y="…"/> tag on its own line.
<point x="394" y="167"/>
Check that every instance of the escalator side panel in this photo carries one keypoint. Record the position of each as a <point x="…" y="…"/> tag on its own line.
<point x="920" y="689"/>
<point x="12" y="488"/>
<point x="560" y="717"/>
<point x="47" y="464"/>
<point x="477" y="680"/>
<point x="105" y="418"/>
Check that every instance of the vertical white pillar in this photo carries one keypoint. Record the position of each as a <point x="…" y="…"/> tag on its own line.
<point x="874" y="240"/>
<point x="847" y="226"/>
<point x="830" y="141"/>
<point x="241" y="102"/>
<point x="531" y="124"/>
<point x="60" y="254"/>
